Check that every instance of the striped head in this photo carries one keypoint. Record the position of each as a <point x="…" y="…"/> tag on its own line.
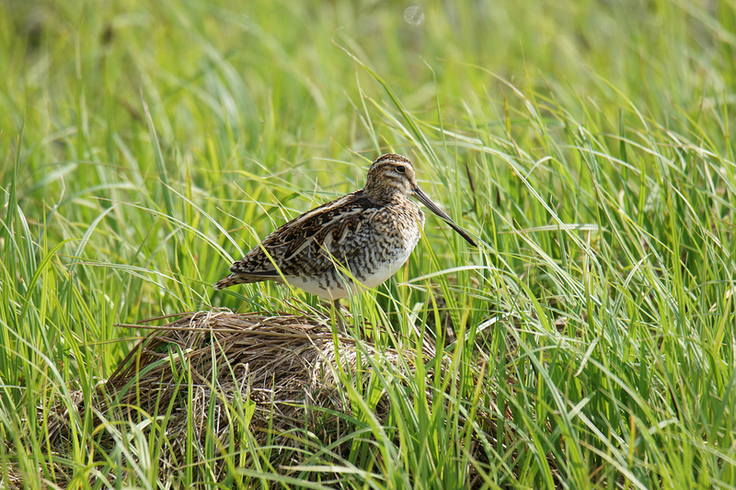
<point x="391" y="175"/>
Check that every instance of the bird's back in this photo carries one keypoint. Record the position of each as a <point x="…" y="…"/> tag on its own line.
<point x="354" y="233"/>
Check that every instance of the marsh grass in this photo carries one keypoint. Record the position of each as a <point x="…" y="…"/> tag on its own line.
<point x="588" y="146"/>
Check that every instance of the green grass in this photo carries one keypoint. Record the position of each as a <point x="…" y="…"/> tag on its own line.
<point x="588" y="145"/>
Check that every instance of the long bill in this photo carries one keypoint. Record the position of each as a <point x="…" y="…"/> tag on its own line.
<point x="436" y="210"/>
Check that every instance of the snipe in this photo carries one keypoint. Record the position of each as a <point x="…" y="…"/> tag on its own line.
<point x="345" y="246"/>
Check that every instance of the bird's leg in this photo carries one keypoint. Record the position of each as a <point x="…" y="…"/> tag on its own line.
<point x="337" y="315"/>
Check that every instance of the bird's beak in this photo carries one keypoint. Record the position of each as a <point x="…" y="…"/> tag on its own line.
<point x="436" y="210"/>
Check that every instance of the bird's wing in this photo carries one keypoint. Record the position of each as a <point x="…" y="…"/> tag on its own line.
<point x="308" y="242"/>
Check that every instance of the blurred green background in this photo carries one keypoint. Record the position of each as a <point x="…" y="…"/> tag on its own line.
<point x="588" y="145"/>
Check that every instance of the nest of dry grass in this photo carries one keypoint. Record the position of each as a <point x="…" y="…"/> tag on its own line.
<point x="244" y="379"/>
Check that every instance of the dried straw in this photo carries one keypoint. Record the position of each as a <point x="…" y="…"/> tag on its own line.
<point x="202" y="365"/>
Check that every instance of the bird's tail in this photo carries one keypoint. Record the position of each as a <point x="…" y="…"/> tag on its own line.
<point x="228" y="281"/>
<point x="236" y="278"/>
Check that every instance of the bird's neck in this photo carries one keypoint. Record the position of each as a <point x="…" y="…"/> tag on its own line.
<point x="385" y="195"/>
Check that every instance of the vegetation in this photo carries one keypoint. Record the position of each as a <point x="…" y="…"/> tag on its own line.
<point x="587" y="145"/>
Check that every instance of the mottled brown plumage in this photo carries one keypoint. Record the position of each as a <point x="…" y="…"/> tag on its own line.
<point x="366" y="235"/>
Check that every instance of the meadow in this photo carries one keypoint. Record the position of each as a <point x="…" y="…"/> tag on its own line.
<point x="586" y="146"/>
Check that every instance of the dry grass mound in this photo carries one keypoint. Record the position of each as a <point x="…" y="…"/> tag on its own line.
<point x="243" y="380"/>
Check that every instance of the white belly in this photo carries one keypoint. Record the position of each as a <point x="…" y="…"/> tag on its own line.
<point x="346" y="287"/>
<point x="384" y="272"/>
<point x="314" y="286"/>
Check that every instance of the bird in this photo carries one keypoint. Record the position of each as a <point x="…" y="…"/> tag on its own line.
<point x="348" y="245"/>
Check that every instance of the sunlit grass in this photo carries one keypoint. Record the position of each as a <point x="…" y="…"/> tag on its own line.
<point x="587" y="146"/>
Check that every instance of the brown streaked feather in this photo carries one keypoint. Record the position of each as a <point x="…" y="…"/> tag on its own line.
<point x="312" y="239"/>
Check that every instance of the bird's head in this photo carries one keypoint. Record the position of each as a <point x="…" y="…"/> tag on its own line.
<point x="392" y="174"/>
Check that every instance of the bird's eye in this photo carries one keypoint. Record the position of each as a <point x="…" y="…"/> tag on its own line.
<point x="401" y="169"/>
